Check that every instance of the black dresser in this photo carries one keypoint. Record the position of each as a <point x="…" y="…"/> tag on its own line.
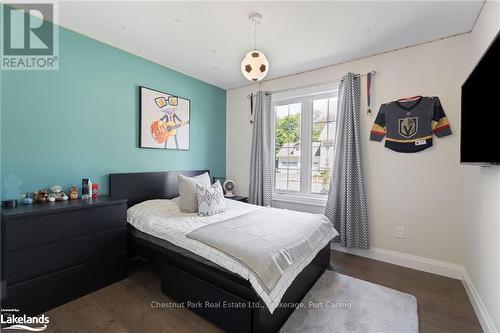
<point x="55" y="252"/>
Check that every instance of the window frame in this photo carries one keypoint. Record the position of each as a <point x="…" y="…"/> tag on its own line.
<point x="305" y="97"/>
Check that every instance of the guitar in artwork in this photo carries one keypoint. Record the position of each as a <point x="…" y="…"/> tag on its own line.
<point x="161" y="132"/>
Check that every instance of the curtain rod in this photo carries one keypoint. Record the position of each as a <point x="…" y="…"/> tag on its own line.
<point x="306" y="86"/>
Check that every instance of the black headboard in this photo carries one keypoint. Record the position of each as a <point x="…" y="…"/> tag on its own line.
<point x="141" y="186"/>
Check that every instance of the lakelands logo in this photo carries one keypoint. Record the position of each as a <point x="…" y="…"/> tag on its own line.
<point x="30" y="39"/>
<point x="12" y="321"/>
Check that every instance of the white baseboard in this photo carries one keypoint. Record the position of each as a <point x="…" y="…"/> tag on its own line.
<point x="433" y="266"/>
<point x="407" y="260"/>
<point x="482" y="313"/>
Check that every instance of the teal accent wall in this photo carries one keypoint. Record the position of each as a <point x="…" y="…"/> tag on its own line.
<point x="82" y="120"/>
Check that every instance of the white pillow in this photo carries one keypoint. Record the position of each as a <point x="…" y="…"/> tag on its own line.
<point x="187" y="191"/>
<point x="210" y="199"/>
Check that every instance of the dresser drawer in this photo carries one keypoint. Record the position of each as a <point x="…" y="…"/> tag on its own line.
<point x="29" y="231"/>
<point x="28" y="263"/>
<point x="38" y="295"/>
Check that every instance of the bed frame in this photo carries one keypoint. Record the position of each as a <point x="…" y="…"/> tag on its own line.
<point x="222" y="297"/>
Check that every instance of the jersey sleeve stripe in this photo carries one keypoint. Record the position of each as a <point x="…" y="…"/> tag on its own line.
<point x="440" y="128"/>
<point x="378" y="129"/>
<point x="442" y="122"/>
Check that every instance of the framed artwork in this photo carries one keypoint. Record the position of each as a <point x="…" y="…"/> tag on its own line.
<point x="164" y="120"/>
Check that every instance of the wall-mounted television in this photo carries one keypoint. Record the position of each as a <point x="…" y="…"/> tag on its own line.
<point x="480" y="126"/>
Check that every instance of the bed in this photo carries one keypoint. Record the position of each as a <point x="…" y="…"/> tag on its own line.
<point x="211" y="288"/>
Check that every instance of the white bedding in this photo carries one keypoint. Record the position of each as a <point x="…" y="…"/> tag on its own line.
<point x="164" y="219"/>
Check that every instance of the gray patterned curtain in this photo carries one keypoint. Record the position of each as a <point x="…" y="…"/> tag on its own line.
<point x="261" y="163"/>
<point x="346" y="205"/>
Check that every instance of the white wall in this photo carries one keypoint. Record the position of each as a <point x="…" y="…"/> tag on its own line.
<point x="482" y="197"/>
<point x="451" y="212"/>
<point x="422" y="192"/>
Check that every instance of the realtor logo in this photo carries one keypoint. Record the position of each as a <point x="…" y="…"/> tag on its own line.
<point x="29" y="37"/>
<point x="12" y="320"/>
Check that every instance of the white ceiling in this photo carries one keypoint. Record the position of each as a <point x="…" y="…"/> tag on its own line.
<point x="207" y="40"/>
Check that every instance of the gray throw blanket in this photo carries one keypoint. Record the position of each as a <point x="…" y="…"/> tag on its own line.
<point x="268" y="240"/>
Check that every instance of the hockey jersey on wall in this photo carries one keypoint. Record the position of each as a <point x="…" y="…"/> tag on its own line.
<point x="409" y="125"/>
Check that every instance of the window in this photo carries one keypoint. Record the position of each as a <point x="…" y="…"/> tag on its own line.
<point x="304" y="141"/>
<point x="287" y="162"/>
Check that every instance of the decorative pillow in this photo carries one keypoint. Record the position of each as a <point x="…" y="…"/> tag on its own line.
<point x="210" y="199"/>
<point x="187" y="191"/>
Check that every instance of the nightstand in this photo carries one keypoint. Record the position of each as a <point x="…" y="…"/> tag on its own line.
<point x="238" y="198"/>
<point x="55" y="252"/>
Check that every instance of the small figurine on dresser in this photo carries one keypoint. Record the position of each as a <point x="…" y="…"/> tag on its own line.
<point x="41" y="196"/>
<point x="95" y="190"/>
<point x="86" y="188"/>
<point x="27" y="200"/>
<point x="73" y="193"/>
<point x="56" y="194"/>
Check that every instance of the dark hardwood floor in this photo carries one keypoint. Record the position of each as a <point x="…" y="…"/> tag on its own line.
<point x="125" y="306"/>
<point x="443" y="305"/>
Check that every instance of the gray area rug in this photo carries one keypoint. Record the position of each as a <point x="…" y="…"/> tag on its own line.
<point x="339" y="303"/>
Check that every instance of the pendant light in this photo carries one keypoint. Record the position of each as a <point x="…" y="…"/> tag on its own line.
<point x="255" y="65"/>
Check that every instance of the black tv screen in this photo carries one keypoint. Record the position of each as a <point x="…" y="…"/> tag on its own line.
<point x="480" y="126"/>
